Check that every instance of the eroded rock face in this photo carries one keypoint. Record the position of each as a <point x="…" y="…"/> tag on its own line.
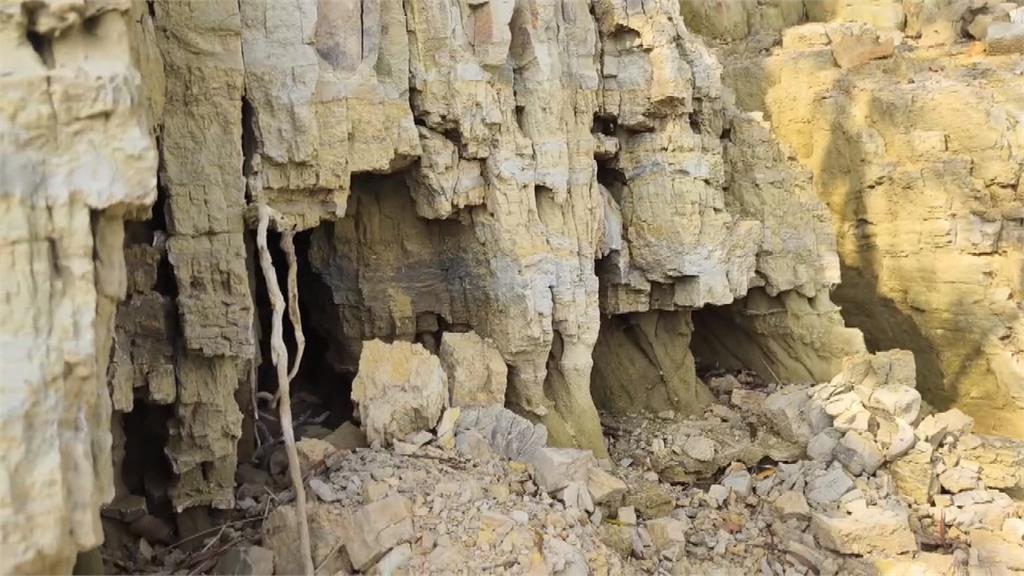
<point x="511" y="168"/>
<point x="643" y="362"/>
<point x="920" y="171"/>
<point x="552" y="135"/>
<point x="75" y="154"/>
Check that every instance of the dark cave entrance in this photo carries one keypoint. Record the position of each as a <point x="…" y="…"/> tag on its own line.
<point x="321" y="389"/>
<point x="785" y="338"/>
<point x="663" y="359"/>
<point x="717" y="345"/>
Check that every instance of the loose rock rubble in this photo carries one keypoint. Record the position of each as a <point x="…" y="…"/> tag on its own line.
<point x="883" y="484"/>
<point x="813" y="479"/>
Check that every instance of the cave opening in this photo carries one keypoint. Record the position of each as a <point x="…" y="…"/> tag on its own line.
<point x="718" y="346"/>
<point x="321" y="388"/>
<point x="786" y="338"/>
<point x="662" y="360"/>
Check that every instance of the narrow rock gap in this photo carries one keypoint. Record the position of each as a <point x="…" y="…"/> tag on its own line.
<point x="40" y="45"/>
<point x="321" y="389"/>
<point x="146" y="333"/>
<point x="643" y="363"/>
<point x="318" y="375"/>
<point x="145" y="470"/>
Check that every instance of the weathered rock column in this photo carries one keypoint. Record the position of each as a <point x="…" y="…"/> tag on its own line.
<point x="74" y="153"/>
<point x="201" y="141"/>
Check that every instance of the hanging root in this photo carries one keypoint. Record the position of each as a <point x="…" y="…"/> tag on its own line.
<point x="253" y="379"/>
<point x="288" y="246"/>
<point x="279" y="357"/>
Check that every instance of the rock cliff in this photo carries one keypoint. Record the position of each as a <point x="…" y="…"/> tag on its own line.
<point x="75" y="157"/>
<point x="913" y="136"/>
<point x="579" y="183"/>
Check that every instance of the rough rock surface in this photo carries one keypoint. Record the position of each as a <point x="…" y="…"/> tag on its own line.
<point x="918" y="157"/>
<point x="75" y="156"/>
<point x="518" y="170"/>
<point x="477" y="374"/>
<point x="201" y="172"/>
<point x="501" y="169"/>
<point x="871" y="531"/>
<point x="400" y="390"/>
<point x="492" y="219"/>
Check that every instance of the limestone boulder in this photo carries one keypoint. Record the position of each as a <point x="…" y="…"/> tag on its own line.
<point x="376" y="528"/>
<point x="556" y="468"/>
<point x="1000" y="460"/>
<point x="470" y="444"/>
<point x="604" y="487"/>
<point x="1005" y="38"/>
<point x="875" y="531"/>
<point x="858" y="453"/>
<point x="787" y="411"/>
<point x="821" y="445"/>
<point x="855" y="43"/>
<point x="505" y="432"/>
<point x="828" y="487"/>
<point x="960" y="478"/>
<point x="894" y="436"/>
<point x="477" y="374"/>
<point x="914" y="473"/>
<point x="897" y="400"/>
<point x="997" y="550"/>
<point x="667" y="532"/>
<point x="400" y="389"/>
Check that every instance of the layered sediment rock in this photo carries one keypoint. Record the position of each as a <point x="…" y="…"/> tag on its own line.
<point x="516" y="169"/>
<point x="75" y="155"/>
<point x="918" y="156"/>
<point x="548" y="139"/>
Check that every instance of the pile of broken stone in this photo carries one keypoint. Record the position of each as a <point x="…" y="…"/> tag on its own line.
<point x="854" y="475"/>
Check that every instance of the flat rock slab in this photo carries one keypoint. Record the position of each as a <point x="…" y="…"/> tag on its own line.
<point x="872" y="531"/>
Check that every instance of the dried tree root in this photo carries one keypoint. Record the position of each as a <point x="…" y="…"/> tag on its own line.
<point x="294" y="314"/>
<point x="279" y="357"/>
